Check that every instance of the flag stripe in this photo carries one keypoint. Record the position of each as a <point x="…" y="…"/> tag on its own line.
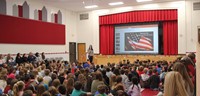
<point x="130" y="41"/>
<point x="140" y="46"/>
<point x="143" y="43"/>
<point x="145" y="38"/>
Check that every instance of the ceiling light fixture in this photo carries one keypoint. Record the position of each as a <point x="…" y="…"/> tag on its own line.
<point x="91" y="6"/>
<point x="115" y="3"/>
<point x="143" y="0"/>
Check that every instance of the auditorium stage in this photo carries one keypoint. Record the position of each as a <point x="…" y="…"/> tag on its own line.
<point x="104" y="59"/>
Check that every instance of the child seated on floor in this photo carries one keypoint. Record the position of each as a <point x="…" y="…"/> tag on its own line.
<point x="154" y="80"/>
<point x="101" y="90"/>
<point x="134" y="89"/>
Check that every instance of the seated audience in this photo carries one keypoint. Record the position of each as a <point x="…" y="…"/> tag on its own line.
<point x="31" y="76"/>
<point x="77" y="89"/>
<point x="134" y="89"/>
<point x="101" y="91"/>
<point x="124" y="77"/>
<point x="18" y="88"/>
<point x="2" y="61"/>
<point x="128" y="82"/>
<point x="154" y="80"/>
<point x="86" y="64"/>
<point x="62" y="90"/>
<point x="145" y="79"/>
<point x="53" y="90"/>
<point x="40" y="89"/>
<point x="28" y="93"/>
<point x="98" y="81"/>
<point x="108" y="72"/>
<point x="47" y="79"/>
<point x="105" y="77"/>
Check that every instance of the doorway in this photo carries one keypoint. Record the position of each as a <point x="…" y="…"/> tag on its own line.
<point x="72" y="51"/>
<point x="81" y="52"/>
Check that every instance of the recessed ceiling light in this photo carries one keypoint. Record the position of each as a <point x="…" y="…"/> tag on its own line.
<point x="115" y="3"/>
<point x="91" y="6"/>
<point x="143" y="0"/>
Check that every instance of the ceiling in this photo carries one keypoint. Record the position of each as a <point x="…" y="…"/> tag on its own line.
<point x="78" y="5"/>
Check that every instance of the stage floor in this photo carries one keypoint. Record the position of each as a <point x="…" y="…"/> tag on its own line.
<point x="104" y="59"/>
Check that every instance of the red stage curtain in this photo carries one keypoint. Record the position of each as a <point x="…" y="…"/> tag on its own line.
<point x="107" y="39"/>
<point x="39" y="14"/>
<point x="20" y="11"/>
<point x="170" y="38"/>
<point x="133" y="17"/>
<point x="139" y="16"/>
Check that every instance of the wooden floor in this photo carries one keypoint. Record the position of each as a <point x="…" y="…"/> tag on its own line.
<point x="104" y="59"/>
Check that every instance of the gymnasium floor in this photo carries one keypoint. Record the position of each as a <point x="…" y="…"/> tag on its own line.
<point x="149" y="92"/>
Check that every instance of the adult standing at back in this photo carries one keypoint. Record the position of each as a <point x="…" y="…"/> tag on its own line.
<point x="90" y="53"/>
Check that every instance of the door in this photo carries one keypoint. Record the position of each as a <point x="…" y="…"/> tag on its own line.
<point x="72" y="51"/>
<point x="81" y="52"/>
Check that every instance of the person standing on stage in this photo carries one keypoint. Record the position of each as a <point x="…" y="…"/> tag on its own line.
<point x="90" y="53"/>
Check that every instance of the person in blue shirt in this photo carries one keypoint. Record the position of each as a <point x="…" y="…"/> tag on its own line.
<point x="159" y="69"/>
<point x="101" y="90"/>
<point x="86" y="64"/>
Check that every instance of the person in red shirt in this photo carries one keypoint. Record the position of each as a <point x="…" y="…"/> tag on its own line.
<point x="140" y="70"/>
<point x="8" y="87"/>
<point x="11" y="73"/>
<point x="189" y="64"/>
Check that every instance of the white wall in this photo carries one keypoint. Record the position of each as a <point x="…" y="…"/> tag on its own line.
<point x="187" y="22"/>
<point x="192" y="21"/>
<point x="68" y="19"/>
<point x="198" y="68"/>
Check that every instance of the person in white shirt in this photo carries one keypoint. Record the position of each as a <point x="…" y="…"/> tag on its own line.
<point x="128" y="82"/>
<point x="134" y="89"/>
<point x="124" y="77"/>
<point x="3" y="78"/>
<point x="2" y="61"/>
<point x="108" y="72"/>
<point x="90" y="53"/>
<point x="47" y="79"/>
<point x="145" y="76"/>
<point x="38" y="58"/>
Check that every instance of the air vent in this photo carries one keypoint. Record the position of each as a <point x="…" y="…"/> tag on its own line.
<point x="84" y="16"/>
<point x="196" y="6"/>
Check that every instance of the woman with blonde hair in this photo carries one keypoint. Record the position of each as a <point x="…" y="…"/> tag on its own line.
<point x="82" y="79"/>
<point x="98" y="81"/>
<point x="174" y="85"/>
<point x="18" y="88"/>
<point x="3" y="78"/>
<point x="112" y="81"/>
<point x="189" y="86"/>
<point x="53" y="90"/>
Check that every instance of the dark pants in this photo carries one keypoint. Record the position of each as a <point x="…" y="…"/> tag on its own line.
<point x="90" y="58"/>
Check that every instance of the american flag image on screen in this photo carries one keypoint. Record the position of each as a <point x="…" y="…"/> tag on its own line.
<point x="139" y="42"/>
